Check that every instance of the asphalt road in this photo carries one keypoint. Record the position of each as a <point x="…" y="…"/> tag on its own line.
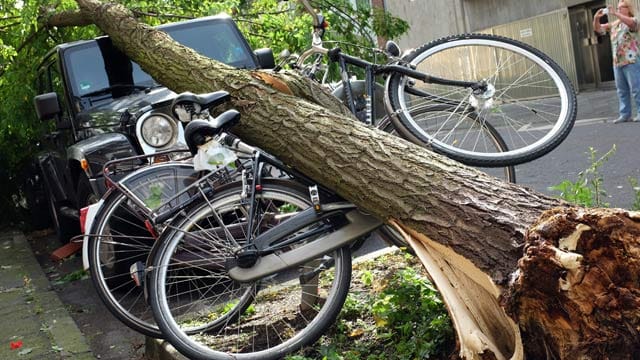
<point x="572" y="157"/>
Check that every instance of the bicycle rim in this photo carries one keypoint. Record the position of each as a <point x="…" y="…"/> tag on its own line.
<point x="528" y="99"/>
<point x="260" y="320"/>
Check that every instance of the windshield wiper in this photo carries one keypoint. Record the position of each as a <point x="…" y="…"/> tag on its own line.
<point x="110" y="89"/>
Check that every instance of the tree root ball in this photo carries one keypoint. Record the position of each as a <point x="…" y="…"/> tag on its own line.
<point x="576" y="292"/>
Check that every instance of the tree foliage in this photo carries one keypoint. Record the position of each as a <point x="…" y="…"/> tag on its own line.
<point x="27" y="33"/>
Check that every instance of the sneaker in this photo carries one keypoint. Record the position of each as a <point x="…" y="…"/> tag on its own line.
<point x="621" y="120"/>
<point x="636" y="119"/>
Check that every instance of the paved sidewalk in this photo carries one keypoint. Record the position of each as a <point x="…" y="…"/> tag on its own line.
<point x="34" y="321"/>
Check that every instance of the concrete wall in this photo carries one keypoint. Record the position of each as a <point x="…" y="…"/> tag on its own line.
<point x="429" y="19"/>
<point x="506" y="11"/>
<point x="432" y="19"/>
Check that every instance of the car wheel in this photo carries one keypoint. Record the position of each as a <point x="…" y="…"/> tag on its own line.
<point x="64" y="227"/>
<point x="84" y="193"/>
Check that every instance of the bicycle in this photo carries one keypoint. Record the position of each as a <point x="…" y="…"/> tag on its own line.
<point x="128" y="220"/>
<point x="501" y="92"/>
<point x="259" y="269"/>
<point x="124" y="224"/>
<point x="437" y="104"/>
<point x="364" y="98"/>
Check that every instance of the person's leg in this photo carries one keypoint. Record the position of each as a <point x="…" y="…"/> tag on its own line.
<point x="622" y="87"/>
<point x="633" y="76"/>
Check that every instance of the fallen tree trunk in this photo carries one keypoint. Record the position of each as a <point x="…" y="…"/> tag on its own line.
<point x="521" y="278"/>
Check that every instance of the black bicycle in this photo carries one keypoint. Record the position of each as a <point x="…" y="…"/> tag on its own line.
<point x="481" y="99"/>
<point x="257" y="268"/>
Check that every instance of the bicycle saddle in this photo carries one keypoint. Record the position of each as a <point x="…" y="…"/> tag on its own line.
<point x="205" y="101"/>
<point x="197" y="131"/>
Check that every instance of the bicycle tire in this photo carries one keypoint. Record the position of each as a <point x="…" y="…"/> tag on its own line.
<point x="543" y="110"/>
<point x="509" y="172"/>
<point x="187" y="238"/>
<point x="119" y="238"/>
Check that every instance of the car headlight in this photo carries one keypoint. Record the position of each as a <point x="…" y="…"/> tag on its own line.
<point x="158" y="130"/>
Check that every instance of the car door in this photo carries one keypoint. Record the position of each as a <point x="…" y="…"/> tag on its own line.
<point x="53" y="159"/>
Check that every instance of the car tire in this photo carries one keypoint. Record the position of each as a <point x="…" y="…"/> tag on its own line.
<point x="64" y="227"/>
<point x="84" y="193"/>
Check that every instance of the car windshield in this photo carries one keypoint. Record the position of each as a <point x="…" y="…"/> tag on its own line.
<point x="97" y="65"/>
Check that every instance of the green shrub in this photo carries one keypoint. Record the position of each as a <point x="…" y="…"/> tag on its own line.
<point x="588" y="189"/>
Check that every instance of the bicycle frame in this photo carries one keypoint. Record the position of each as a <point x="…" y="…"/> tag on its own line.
<point x="371" y="71"/>
<point x="333" y="231"/>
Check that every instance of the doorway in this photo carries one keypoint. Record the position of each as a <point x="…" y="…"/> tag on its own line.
<point x="592" y="52"/>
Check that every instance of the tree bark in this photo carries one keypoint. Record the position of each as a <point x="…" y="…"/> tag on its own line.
<point x="66" y="18"/>
<point x="485" y="236"/>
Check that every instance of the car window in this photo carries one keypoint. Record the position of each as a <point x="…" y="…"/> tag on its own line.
<point x="218" y="41"/>
<point x="56" y="83"/>
<point x="43" y="82"/>
<point x="88" y="68"/>
<point x="96" y="65"/>
<point x="51" y="81"/>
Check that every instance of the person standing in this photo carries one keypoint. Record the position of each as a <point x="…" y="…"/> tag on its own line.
<point x="625" y="46"/>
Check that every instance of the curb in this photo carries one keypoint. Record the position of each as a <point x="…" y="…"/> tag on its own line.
<point x="31" y="310"/>
<point x="156" y="349"/>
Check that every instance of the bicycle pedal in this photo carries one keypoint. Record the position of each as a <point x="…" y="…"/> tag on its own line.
<point x="137" y="273"/>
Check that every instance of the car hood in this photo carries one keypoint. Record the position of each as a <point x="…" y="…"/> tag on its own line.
<point x="107" y="114"/>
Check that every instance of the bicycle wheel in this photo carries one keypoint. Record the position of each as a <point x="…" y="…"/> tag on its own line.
<point x="190" y="287"/>
<point x="486" y="138"/>
<point x="528" y="98"/>
<point x="119" y="238"/>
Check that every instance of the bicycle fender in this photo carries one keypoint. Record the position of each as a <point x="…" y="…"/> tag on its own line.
<point x="91" y="215"/>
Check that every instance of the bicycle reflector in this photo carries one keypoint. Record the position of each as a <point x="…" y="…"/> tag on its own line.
<point x="108" y="183"/>
<point x="83" y="218"/>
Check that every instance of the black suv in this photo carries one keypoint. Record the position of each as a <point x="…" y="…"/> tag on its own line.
<point x="105" y="107"/>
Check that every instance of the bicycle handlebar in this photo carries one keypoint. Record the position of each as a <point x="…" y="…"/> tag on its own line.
<point x="235" y="143"/>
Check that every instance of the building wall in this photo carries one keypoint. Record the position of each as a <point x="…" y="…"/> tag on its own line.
<point x="545" y="24"/>
<point x="549" y="33"/>
<point x="429" y="19"/>
<point x="432" y="19"/>
<point x="486" y="13"/>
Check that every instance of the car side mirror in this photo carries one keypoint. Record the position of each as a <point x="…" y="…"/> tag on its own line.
<point x="47" y="105"/>
<point x="265" y="58"/>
